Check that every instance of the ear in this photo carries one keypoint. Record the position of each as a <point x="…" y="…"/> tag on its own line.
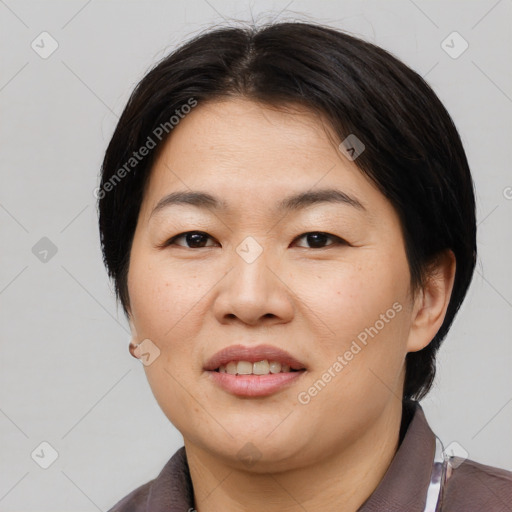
<point x="431" y="302"/>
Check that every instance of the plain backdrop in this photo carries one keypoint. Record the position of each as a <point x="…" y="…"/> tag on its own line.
<point x="66" y="377"/>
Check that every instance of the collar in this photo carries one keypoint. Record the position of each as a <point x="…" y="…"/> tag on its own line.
<point x="403" y="487"/>
<point x="405" y="483"/>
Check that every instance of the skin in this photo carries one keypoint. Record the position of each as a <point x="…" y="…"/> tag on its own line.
<point x="311" y="300"/>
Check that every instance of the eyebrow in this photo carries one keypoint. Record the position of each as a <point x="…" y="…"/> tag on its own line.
<point x="206" y="201"/>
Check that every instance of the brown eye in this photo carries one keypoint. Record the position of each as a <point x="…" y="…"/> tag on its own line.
<point x="199" y="239"/>
<point x="318" y="239"/>
<point x="193" y="239"/>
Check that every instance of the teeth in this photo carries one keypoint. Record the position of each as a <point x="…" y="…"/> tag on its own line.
<point x="263" y="367"/>
<point x="231" y="368"/>
<point x="244" y="368"/>
<point x="275" y="367"/>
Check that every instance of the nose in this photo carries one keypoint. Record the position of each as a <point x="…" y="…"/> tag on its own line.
<point x="254" y="293"/>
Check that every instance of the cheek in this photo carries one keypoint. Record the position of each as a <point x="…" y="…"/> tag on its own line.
<point x="170" y="306"/>
<point x="162" y="303"/>
<point x="159" y="296"/>
<point x="363" y="311"/>
<point x="352" y="297"/>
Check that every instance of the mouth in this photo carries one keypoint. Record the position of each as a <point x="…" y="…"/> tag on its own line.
<point x="263" y="367"/>
<point x="254" y="371"/>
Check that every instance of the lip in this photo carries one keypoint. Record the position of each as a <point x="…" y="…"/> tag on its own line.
<point x="253" y="385"/>
<point x="252" y="355"/>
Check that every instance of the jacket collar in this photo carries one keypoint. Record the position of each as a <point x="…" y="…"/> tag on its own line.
<point x="405" y="483"/>
<point x="403" y="487"/>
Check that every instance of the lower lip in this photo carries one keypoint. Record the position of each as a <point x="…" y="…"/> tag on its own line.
<point x="254" y="385"/>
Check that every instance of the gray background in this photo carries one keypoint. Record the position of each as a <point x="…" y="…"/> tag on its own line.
<point x="66" y="376"/>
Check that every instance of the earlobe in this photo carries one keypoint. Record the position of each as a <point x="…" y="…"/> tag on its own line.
<point x="431" y="302"/>
<point x="134" y="350"/>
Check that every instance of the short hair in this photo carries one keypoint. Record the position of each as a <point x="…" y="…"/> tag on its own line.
<point x="412" y="150"/>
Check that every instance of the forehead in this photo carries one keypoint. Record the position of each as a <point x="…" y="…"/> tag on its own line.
<point x="250" y="153"/>
<point x="239" y="131"/>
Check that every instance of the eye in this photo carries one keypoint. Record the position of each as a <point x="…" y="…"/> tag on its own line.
<point x="198" y="239"/>
<point x="195" y="239"/>
<point x="318" y="239"/>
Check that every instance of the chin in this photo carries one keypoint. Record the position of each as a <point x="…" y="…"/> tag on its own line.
<point x="263" y="451"/>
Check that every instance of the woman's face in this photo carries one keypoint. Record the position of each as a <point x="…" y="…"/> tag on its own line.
<point x="337" y="299"/>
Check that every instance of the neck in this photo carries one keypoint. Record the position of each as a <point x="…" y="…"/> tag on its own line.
<point x="341" y="480"/>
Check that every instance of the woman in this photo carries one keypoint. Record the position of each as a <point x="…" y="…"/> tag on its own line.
<point x="289" y="219"/>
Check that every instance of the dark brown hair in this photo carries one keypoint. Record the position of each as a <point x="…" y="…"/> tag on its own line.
<point x="413" y="152"/>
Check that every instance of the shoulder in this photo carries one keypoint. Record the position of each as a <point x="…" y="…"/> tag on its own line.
<point x="475" y="487"/>
<point x="136" y="501"/>
<point x="170" y="490"/>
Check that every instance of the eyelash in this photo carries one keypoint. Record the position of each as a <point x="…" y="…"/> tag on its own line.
<point x="337" y="239"/>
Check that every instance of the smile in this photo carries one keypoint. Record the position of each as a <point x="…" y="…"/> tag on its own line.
<point x="252" y="371"/>
<point x="263" y="367"/>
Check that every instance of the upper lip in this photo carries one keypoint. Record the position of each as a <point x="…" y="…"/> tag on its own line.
<point x="252" y="355"/>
